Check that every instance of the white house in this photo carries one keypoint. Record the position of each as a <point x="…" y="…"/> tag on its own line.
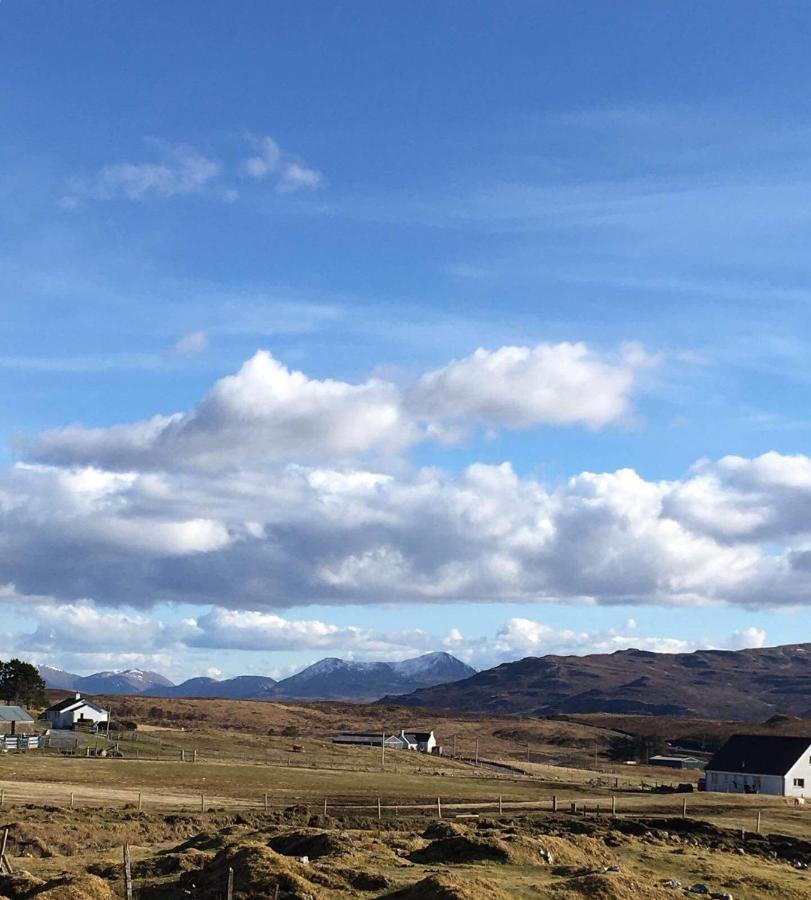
<point x="75" y="712"/>
<point x="762" y="764"/>
<point x="414" y="740"/>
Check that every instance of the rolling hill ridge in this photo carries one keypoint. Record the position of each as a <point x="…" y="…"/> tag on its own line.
<point x="747" y="685"/>
<point x="328" y="679"/>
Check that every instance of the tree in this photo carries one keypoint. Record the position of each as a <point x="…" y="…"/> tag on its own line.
<point x="20" y="682"/>
<point x="636" y="748"/>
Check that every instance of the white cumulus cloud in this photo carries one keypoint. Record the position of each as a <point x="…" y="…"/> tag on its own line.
<point x="518" y="387"/>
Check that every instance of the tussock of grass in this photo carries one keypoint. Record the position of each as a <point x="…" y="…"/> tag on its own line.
<point x="446" y="886"/>
<point x="610" y="886"/>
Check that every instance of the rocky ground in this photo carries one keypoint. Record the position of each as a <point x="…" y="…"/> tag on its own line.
<point x="60" y="854"/>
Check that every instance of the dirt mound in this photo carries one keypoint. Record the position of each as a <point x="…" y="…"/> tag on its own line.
<point x="20" y="884"/>
<point x="463" y="849"/>
<point x="609" y="886"/>
<point x="312" y="844"/>
<point x="191" y="860"/>
<point x="85" y="887"/>
<point x="362" y="881"/>
<point x="258" y="872"/>
<point x="578" y="850"/>
<point x="442" y="830"/>
<point x="450" y="887"/>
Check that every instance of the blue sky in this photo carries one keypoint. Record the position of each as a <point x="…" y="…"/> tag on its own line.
<point x="366" y="194"/>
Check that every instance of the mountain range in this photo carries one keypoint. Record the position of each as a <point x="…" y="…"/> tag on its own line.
<point x="328" y="679"/>
<point x="717" y="684"/>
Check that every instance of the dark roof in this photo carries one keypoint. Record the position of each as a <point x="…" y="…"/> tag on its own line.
<point x="759" y="754"/>
<point x="69" y="702"/>
<point x="14" y="714"/>
<point x="63" y="704"/>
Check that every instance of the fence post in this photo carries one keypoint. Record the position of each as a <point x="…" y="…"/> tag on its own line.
<point x="127" y="872"/>
<point x="71" y="800"/>
<point x="379" y="809"/>
<point x="757" y="824"/>
<point x="2" y="798"/>
<point x="613" y="804"/>
<point x="554" y="802"/>
<point x="500" y="810"/>
<point x="194" y="756"/>
<point x="140" y="801"/>
<point x="439" y="807"/>
<point x="325" y="805"/>
<point x="230" y="892"/>
<point x="202" y="803"/>
<point x="684" y="809"/>
<point x="266" y="801"/>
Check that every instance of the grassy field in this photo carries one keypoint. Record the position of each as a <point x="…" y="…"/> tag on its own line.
<point x="407" y="779"/>
<point x="248" y="789"/>
<point x="73" y="854"/>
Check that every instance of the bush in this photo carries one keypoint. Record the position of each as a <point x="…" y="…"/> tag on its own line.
<point x="124" y="725"/>
<point x="290" y="731"/>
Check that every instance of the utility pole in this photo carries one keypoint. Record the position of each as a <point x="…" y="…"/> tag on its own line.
<point x="454" y="746"/>
<point x="477" y="751"/>
<point x="383" y="752"/>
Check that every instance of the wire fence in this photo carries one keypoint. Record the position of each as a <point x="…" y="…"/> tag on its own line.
<point x="382" y="807"/>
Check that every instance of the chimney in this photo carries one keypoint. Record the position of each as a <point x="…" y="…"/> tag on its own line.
<point x="78" y="696"/>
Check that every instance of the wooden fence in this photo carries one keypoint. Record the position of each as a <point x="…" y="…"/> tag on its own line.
<point x="643" y="806"/>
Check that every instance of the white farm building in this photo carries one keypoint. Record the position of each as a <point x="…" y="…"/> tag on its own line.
<point x="762" y="764"/>
<point x="424" y="741"/>
<point x="75" y="712"/>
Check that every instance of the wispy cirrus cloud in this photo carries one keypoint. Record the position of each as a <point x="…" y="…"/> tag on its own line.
<point x="270" y="162"/>
<point x="182" y="170"/>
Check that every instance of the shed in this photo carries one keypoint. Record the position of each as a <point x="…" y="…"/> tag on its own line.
<point x="15" y="720"/>
<point x="676" y="762"/>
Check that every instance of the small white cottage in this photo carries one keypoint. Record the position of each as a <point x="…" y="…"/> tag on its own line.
<point x="762" y="764"/>
<point x="75" y="712"/>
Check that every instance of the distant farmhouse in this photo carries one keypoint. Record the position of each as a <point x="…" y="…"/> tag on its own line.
<point x="75" y="712"/>
<point x="423" y="741"/>
<point x="676" y="762"/>
<point x="762" y="764"/>
<point x="15" y="720"/>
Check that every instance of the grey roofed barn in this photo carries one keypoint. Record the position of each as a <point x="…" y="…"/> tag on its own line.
<point x="14" y="714"/>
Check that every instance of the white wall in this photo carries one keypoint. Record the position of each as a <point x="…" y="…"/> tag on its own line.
<point x="800" y="771"/>
<point x="735" y="783"/>
<point x="69" y="717"/>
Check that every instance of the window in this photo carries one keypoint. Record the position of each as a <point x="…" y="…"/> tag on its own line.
<point x="799" y="782"/>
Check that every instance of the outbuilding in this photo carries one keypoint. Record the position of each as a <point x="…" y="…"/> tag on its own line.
<point x="423" y="741"/>
<point x="676" y="762"/>
<point x="15" y="720"/>
<point x="762" y="764"/>
<point x="75" y="712"/>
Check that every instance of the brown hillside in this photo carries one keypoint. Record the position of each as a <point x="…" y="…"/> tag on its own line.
<point x="746" y="685"/>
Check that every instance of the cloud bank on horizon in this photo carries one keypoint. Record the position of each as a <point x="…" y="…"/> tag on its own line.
<point x="279" y="490"/>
